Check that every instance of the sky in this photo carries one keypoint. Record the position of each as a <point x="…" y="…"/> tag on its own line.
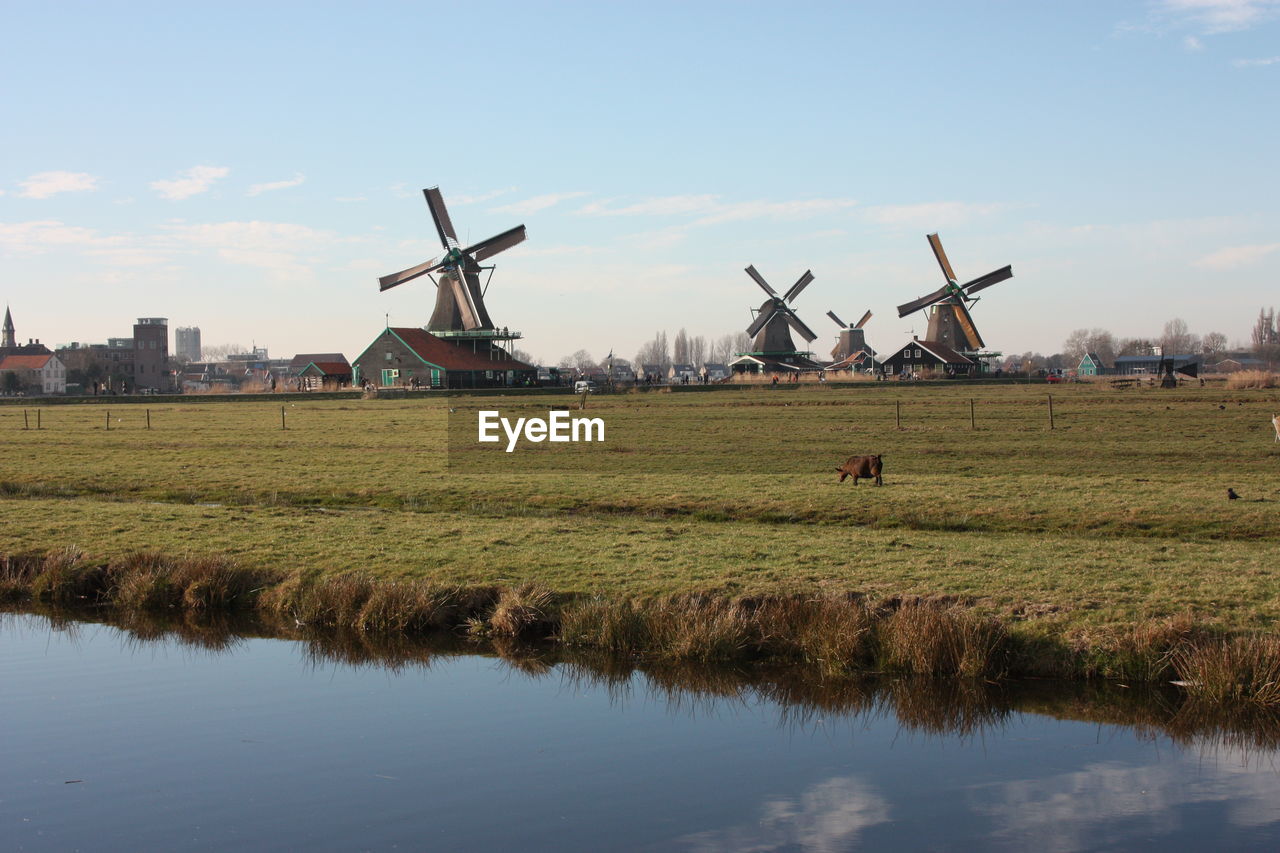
<point x="253" y="168"/>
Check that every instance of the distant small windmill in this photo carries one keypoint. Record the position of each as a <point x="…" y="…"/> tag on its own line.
<point x="852" y="338"/>
<point x="771" y="329"/>
<point x="949" y="322"/>
<point x="459" y="297"/>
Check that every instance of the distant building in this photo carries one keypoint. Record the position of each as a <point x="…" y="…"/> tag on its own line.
<point x="1127" y="365"/>
<point x="408" y="357"/>
<point x="321" y="371"/>
<point x="9" y="340"/>
<point x="36" y="374"/>
<point x="919" y="356"/>
<point x="186" y="343"/>
<point x="1091" y="365"/>
<point x="682" y="373"/>
<point x="714" y="372"/>
<point x="125" y="365"/>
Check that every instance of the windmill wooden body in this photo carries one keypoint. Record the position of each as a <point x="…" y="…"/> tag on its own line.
<point x="950" y="323"/>
<point x="853" y="339"/>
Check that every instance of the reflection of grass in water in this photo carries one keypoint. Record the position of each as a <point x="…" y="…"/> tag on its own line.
<point x="804" y="696"/>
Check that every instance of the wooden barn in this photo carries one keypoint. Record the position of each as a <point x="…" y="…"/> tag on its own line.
<point x="415" y="358"/>
<point x="919" y="357"/>
<point x="324" y="376"/>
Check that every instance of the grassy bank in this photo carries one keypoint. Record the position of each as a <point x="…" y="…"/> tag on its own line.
<point x="1069" y="539"/>
<point x="826" y="635"/>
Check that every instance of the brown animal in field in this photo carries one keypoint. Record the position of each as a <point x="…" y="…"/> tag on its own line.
<point x="1275" y="422"/>
<point x="861" y="466"/>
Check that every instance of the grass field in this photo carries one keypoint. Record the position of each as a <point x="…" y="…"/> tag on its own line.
<point x="1116" y="515"/>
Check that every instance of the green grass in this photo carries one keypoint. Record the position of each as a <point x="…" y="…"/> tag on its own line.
<point x="1117" y="515"/>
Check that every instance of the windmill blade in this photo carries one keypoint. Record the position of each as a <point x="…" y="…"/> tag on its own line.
<point x="966" y="325"/>
<point x="924" y="301"/>
<point x="389" y="281"/>
<point x="494" y="245"/>
<point x="839" y="322"/>
<point x="863" y="321"/>
<point x="765" y="315"/>
<point x="759" y="279"/>
<point x="440" y="215"/>
<point x="803" y="330"/>
<point x="936" y="245"/>
<point x="462" y="296"/>
<point x="800" y="285"/>
<point x="987" y="280"/>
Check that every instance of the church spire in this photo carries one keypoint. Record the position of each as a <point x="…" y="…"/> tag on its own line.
<point x="9" y="340"/>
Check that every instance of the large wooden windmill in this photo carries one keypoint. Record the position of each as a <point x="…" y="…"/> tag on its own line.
<point x="459" y="296"/>
<point x="949" y="321"/>
<point x="852" y="338"/>
<point x="771" y="328"/>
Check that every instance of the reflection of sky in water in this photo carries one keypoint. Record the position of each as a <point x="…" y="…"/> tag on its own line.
<point x="185" y="749"/>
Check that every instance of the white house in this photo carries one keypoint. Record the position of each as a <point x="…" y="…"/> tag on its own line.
<point x="40" y="374"/>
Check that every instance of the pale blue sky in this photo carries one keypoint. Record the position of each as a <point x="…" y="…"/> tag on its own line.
<point x="254" y="170"/>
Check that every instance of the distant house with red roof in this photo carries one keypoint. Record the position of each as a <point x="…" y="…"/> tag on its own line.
<point x="928" y="356"/>
<point x="412" y="357"/>
<point x="324" y="376"/>
<point x="36" y="374"/>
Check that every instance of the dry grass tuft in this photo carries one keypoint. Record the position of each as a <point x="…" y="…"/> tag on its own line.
<point x="1143" y="653"/>
<point x="66" y="576"/>
<point x="1253" y="379"/>
<point x="925" y="638"/>
<point x="1231" y="670"/>
<point x="520" y="610"/>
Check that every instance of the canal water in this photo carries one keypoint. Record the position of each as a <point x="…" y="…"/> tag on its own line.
<point x="115" y="742"/>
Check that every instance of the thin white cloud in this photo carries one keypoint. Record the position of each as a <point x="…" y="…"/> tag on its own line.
<point x="258" y="189"/>
<point x="45" y="184"/>
<point x="1192" y="44"/>
<point x="934" y="214"/>
<point x="673" y="205"/>
<point x="1255" y="63"/>
<point x="193" y="181"/>
<point x="709" y="210"/>
<point x="1236" y="257"/>
<point x="481" y="198"/>
<point x="537" y="203"/>
<point x="1211" y="17"/>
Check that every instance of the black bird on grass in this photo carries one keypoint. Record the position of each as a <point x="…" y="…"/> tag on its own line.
<point x="1231" y="495"/>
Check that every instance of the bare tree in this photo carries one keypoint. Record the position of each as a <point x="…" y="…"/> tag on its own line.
<point x="216" y="352"/>
<point x="1177" y="338"/>
<point x="697" y="351"/>
<point x="655" y="352"/>
<point x="580" y="361"/>
<point x="1266" y="337"/>
<point x="680" y="347"/>
<point x="1213" y="344"/>
<point x="1135" y="346"/>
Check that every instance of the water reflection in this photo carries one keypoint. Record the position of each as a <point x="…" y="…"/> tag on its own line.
<point x="344" y="740"/>
<point x="951" y="708"/>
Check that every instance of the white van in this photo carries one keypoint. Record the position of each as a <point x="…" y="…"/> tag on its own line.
<point x="582" y="386"/>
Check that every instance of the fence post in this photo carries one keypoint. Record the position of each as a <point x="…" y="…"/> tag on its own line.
<point x="108" y="420"/>
<point x="148" y="419"/>
<point x="25" y="423"/>
<point x="282" y="426"/>
<point x="897" y="413"/>
<point x="972" y="422"/>
<point x="38" y="423"/>
<point x="1050" y="411"/>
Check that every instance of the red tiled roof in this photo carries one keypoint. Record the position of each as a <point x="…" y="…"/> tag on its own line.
<point x="302" y="359"/>
<point x="453" y="356"/>
<point x="24" y="362"/>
